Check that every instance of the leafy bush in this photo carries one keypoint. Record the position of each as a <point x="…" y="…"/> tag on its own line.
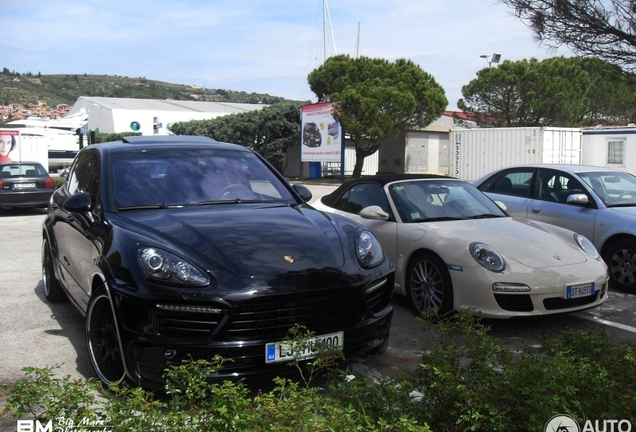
<point x="465" y="381"/>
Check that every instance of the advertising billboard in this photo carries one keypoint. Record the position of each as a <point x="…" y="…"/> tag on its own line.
<point x="15" y="148"/>
<point x="321" y="134"/>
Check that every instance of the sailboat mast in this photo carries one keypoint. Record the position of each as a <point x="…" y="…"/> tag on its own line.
<point x="326" y="17"/>
<point x="358" y="40"/>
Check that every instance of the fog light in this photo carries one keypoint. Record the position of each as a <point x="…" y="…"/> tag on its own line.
<point x="185" y="308"/>
<point x="510" y="287"/>
<point x="170" y="354"/>
<point x="375" y="286"/>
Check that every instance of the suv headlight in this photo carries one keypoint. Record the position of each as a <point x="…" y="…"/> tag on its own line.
<point x="163" y="266"/>
<point x="368" y="250"/>
<point x="587" y="246"/>
<point x="488" y="257"/>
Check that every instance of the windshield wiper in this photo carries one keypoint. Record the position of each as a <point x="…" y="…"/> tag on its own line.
<point x="484" y="216"/>
<point x="235" y="201"/>
<point x="437" y="219"/>
<point x="146" y="207"/>
<point x="622" y="205"/>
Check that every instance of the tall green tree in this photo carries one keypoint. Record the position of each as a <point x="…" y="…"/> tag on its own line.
<point x="611" y="96"/>
<point x="377" y="100"/>
<point x="603" y="29"/>
<point x="270" y="131"/>
<point x="528" y="93"/>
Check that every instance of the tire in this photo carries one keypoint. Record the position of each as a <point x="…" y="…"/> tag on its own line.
<point x="621" y="263"/>
<point x="102" y="340"/>
<point x="51" y="285"/>
<point x="428" y="285"/>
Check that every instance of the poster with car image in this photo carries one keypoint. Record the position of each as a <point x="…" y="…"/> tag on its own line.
<point x="321" y="134"/>
<point x="16" y="147"/>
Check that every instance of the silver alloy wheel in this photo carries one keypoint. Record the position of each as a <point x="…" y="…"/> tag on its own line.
<point x="428" y="285"/>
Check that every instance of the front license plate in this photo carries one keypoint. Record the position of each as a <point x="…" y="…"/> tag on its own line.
<point x="584" y="290"/>
<point x="282" y="351"/>
<point x="24" y="186"/>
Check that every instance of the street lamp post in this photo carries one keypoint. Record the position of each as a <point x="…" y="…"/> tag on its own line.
<point x="494" y="59"/>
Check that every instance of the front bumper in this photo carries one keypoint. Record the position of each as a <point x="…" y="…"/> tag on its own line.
<point x="155" y="333"/>
<point x="547" y="295"/>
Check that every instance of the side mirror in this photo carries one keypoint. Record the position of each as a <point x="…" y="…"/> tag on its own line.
<point x="374" y="212"/>
<point x="303" y="191"/>
<point x="501" y="205"/>
<point x="79" y="203"/>
<point x="580" y="199"/>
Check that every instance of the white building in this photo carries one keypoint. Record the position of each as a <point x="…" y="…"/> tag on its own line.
<point x="149" y="116"/>
<point x="610" y="146"/>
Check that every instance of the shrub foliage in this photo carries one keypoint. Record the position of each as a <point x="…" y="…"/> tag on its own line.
<point x="465" y="381"/>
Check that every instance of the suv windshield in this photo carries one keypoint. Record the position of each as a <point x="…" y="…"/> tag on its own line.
<point x="159" y="178"/>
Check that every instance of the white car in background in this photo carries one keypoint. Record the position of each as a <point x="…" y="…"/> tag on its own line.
<point x="455" y="249"/>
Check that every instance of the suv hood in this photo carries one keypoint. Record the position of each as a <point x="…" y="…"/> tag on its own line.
<point x="250" y="239"/>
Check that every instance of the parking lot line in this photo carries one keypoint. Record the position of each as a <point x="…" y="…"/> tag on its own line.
<point x="605" y="322"/>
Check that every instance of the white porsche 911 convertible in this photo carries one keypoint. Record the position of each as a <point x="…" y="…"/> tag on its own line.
<point x="456" y="249"/>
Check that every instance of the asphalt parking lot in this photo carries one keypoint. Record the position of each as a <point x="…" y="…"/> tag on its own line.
<point x="34" y="332"/>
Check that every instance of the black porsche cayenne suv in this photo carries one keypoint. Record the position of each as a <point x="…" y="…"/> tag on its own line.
<point x="177" y="247"/>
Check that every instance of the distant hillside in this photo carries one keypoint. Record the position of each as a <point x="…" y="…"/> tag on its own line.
<point x="28" y="88"/>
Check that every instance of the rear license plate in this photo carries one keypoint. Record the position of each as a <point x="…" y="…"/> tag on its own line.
<point x="24" y="186"/>
<point x="282" y="351"/>
<point x="584" y="290"/>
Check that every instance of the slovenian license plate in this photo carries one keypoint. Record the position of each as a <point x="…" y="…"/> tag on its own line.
<point x="283" y="351"/>
<point x="583" y="290"/>
<point x="24" y="186"/>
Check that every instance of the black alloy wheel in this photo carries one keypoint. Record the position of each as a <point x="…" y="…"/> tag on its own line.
<point x="52" y="289"/>
<point x="102" y="340"/>
<point x="621" y="263"/>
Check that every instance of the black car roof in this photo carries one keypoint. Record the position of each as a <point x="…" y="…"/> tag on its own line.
<point x="169" y="141"/>
<point x="380" y="179"/>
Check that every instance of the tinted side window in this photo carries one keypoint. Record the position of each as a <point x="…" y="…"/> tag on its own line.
<point x="516" y="183"/>
<point x="557" y="186"/>
<point x="362" y="195"/>
<point x="85" y="175"/>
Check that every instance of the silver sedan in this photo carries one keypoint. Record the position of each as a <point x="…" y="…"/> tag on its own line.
<point x="597" y="202"/>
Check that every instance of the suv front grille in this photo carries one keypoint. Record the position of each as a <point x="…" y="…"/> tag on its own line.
<point x="321" y="311"/>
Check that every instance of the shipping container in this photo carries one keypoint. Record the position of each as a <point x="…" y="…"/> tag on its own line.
<point x="613" y="147"/>
<point x="476" y="152"/>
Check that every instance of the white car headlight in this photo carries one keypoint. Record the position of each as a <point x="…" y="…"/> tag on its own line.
<point x="369" y="251"/>
<point x="165" y="267"/>
<point x="587" y="246"/>
<point x="488" y="257"/>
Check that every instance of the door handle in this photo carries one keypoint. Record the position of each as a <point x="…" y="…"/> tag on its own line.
<point x="535" y="209"/>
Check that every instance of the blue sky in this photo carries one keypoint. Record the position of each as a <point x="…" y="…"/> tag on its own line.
<point x="263" y="46"/>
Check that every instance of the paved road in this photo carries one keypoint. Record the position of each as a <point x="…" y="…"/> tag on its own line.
<point x="36" y="333"/>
